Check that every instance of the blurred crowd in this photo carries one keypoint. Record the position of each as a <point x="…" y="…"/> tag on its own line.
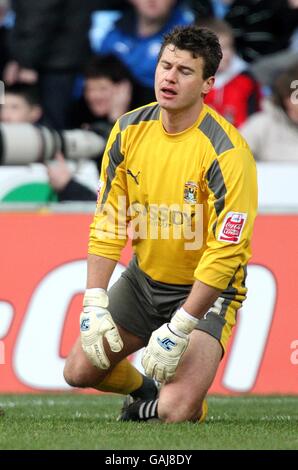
<point x="70" y="63"/>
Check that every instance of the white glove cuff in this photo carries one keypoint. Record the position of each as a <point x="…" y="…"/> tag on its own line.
<point x="177" y="332"/>
<point x="96" y="297"/>
<point x="183" y="322"/>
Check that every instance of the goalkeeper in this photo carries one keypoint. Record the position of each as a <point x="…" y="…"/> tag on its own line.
<point x="184" y="180"/>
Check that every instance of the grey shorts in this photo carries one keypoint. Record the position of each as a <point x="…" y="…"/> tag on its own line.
<point x="141" y="305"/>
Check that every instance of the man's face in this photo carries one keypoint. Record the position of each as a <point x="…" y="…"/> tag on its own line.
<point x="179" y="82"/>
<point x="153" y="9"/>
<point x="228" y="52"/>
<point x="17" y="110"/>
<point x="292" y="109"/>
<point x="99" y="95"/>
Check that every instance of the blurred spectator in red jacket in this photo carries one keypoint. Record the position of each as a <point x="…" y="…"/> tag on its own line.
<point x="236" y="94"/>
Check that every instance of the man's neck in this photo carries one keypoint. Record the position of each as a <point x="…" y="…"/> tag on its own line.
<point x="178" y="121"/>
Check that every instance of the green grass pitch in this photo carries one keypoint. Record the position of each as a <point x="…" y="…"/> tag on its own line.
<point x="72" y="421"/>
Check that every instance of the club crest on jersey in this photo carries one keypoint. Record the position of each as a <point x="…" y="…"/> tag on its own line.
<point x="191" y="192"/>
<point x="232" y="227"/>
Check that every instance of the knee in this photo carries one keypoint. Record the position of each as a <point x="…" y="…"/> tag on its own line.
<point x="173" y="409"/>
<point x="76" y="376"/>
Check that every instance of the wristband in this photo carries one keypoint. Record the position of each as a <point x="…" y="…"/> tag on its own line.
<point x="183" y="322"/>
<point x="96" y="297"/>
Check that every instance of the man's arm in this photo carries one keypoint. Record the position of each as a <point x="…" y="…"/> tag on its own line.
<point x="200" y="299"/>
<point x="108" y="235"/>
<point x="96" y="321"/>
<point x="99" y="271"/>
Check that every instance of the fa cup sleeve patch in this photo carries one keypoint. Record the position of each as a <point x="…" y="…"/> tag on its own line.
<point x="232" y="227"/>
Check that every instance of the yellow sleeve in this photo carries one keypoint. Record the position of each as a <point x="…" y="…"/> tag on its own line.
<point x="232" y="207"/>
<point x="108" y="231"/>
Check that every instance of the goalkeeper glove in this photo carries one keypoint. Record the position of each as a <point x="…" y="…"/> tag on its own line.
<point x="167" y="345"/>
<point x="96" y="323"/>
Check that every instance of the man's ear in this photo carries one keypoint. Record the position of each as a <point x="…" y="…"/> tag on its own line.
<point x="208" y="85"/>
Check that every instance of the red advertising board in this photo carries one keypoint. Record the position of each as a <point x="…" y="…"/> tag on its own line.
<point x="43" y="271"/>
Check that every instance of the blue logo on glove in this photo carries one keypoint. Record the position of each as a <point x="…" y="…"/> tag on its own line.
<point x="166" y="343"/>
<point x="85" y="324"/>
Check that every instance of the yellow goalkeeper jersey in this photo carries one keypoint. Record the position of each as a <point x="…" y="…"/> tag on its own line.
<point x="189" y="200"/>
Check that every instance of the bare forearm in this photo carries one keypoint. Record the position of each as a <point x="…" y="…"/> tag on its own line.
<point x="99" y="271"/>
<point x="200" y="299"/>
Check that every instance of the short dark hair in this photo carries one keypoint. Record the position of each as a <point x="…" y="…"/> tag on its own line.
<point x="108" y="66"/>
<point x="30" y="93"/>
<point x="201" y="42"/>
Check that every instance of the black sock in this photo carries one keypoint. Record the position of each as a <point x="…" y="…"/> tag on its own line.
<point x="148" y="390"/>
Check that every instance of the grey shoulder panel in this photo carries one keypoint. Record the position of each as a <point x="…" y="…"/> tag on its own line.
<point x="217" y="185"/>
<point x="115" y="159"/>
<point x="216" y="134"/>
<point x="147" y="113"/>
